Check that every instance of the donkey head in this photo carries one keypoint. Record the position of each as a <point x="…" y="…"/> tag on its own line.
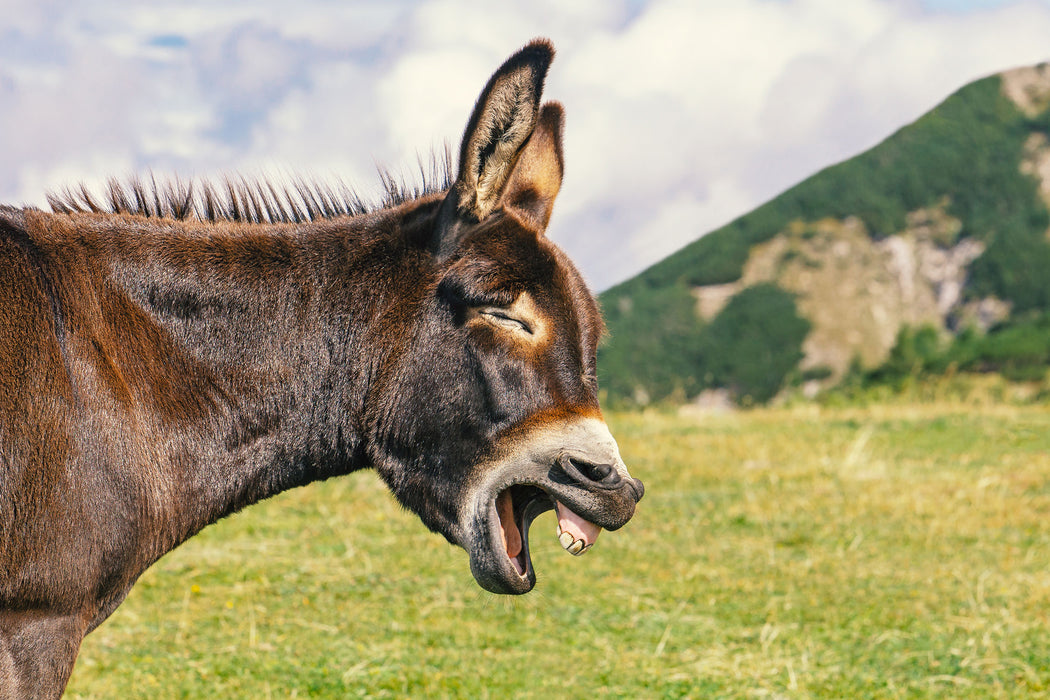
<point x="492" y="415"/>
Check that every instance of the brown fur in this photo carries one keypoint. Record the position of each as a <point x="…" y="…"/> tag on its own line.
<point x="171" y="358"/>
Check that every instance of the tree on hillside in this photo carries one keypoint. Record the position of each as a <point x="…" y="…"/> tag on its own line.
<point x="754" y="343"/>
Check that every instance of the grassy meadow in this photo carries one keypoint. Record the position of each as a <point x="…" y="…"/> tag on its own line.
<point x="894" y="550"/>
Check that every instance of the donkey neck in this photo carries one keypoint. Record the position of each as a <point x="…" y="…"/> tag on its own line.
<point x="248" y="349"/>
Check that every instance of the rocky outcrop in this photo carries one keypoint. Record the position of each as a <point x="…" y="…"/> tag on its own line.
<point x="1028" y="87"/>
<point x="858" y="292"/>
<point x="712" y="298"/>
<point x="1037" y="164"/>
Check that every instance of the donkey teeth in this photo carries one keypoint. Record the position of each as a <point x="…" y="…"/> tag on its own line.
<point x="565" y="539"/>
<point x="572" y="545"/>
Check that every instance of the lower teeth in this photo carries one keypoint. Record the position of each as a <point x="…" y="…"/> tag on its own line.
<point x="572" y="545"/>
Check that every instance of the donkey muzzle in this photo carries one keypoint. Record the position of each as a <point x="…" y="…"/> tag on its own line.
<point x="598" y="476"/>
<point x="572" y="466"/>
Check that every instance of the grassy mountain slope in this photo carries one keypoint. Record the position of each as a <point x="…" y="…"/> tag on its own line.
<point x="965" y="159"/>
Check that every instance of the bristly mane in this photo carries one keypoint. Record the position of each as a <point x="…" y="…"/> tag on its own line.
<point x="250" y="200"/>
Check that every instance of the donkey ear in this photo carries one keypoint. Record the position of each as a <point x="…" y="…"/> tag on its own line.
<point x="503" y="119"/>
<point x="536" y="178"/>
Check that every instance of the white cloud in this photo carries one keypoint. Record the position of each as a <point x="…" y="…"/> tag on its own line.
<point x="759" y="95"/>
<point x="426" y="98"/>
<point x="317" y="129"/>
<point x="673" y="223"/>
<point x="680" y="115"/>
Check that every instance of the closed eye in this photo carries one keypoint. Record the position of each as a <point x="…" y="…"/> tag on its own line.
<point x="501" y="318"/>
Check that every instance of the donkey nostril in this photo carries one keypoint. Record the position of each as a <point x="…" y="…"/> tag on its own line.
<point x="605" y="474"/>
<point x="600" y="471"/>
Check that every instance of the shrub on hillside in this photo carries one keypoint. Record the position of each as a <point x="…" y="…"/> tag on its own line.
<point x="754" y="343"/>
<point x="651" y="349"/>
<point x="659" y="349"/>
<point x="1019" y="350"/>
<point x="1014" y="267"/>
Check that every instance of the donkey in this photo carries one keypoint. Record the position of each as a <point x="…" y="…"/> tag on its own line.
<point x="176" y="353"/>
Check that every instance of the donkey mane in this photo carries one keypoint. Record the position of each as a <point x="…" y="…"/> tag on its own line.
<point x="253" y="200"/>
<point x="157" y="376"/>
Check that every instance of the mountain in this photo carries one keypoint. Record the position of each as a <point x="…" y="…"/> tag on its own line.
<point x="933" y="248"/>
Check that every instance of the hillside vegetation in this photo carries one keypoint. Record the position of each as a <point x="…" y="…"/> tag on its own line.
<point x="965" y="159"/>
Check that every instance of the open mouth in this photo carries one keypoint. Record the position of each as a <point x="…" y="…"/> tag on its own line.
<point x="572" y="467"/>
<point x="518" y="505"/>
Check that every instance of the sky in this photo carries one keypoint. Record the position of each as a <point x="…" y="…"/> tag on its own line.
<point x="680" y="114"/>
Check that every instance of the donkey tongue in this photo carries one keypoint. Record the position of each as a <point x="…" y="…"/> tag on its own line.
<point x="508" y="529"/>
<point x="575" y="534"/>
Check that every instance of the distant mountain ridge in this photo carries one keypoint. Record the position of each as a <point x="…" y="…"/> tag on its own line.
<point x="944" y="226"/>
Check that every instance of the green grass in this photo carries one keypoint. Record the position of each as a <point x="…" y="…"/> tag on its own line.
<point x="894" y="550"/>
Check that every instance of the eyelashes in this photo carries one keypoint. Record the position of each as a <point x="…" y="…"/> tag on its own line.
<point x="502" y="319"/>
